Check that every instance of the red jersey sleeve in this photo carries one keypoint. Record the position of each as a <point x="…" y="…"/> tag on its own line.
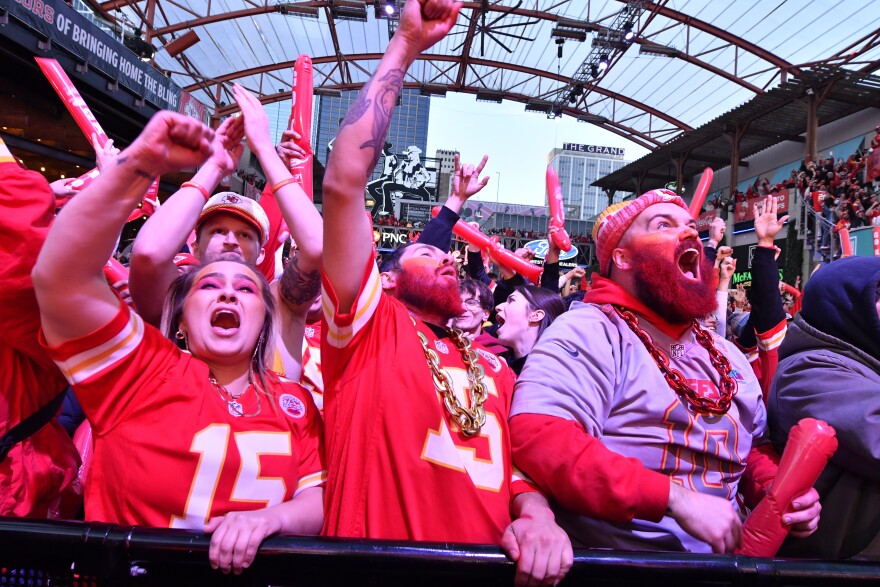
<point x="27" y="208"/>
<point x="344" y="324"/>
<point x="114" y="369"/>
<point x="761" y="467"/>
<point x="583" y="473"/>
<point x="310" y="440"/>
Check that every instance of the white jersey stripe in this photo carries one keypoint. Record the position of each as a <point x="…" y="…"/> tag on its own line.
<point x="339" y="335"/>
<point x="308" y="481"/>
<point x="84" y="365"/>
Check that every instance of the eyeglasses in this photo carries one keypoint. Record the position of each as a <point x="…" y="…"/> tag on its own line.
<point x="472" y="303"/>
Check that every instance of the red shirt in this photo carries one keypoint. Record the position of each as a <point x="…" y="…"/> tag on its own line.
<point x="37" y="470"/>
<point x="311" y="363"/>
<point x="398" y="467"/>
<point x="169" y="451"/>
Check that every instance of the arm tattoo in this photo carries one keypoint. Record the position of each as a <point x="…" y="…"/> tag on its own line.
<point x="389" y="86"/>
<point x="298" y="287"/>
<point x="137" y="171"/>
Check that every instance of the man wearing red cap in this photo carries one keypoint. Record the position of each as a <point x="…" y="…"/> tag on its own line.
<point x="231" y="225"/>
<point x="632" y="368"/>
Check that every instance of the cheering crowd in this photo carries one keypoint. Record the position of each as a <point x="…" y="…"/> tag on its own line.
<point x="352" y="398"/>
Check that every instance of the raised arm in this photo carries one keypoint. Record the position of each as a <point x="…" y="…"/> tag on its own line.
<point x="466" y="182"/>
<point x="301" y="280"/>
<point x="164" y="234"/>
<point x="359" y="143"/>
<point x="72" y="292"/>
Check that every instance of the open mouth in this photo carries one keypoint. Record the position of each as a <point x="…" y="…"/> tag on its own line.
<point x="225" y="319"/>
<point x="689" y="263"/>
<point x="448" y="271"/>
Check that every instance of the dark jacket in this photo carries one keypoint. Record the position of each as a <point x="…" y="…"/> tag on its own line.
<point x="829" y="369"/>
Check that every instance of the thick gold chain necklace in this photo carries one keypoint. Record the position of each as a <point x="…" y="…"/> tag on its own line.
<point x="674" y="377"/>
<point x="469" y="420"/>
<point x="235" y="407"/>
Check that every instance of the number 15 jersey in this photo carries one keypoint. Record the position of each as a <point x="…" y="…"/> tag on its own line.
<point x="398" y="468"/>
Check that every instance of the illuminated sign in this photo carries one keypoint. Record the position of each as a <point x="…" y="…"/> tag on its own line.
<point x="540" y="248"/>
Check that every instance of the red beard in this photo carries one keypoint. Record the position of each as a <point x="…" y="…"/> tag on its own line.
<point x="661" y="285"/>
<point x="419" y="288"/>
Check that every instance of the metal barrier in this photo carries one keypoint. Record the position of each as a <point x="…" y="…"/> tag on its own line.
<point x="822" y="227"/>
<point x="39" y="553"/>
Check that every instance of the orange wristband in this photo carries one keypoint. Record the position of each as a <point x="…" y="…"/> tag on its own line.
<point x="192" y="184"/>
<point x="282" y="183"/>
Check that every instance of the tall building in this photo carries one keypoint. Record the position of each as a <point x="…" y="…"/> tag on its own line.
<point x="409" y="125"/>
<point x="580" y="165"/>
<point x="445" y="171"/>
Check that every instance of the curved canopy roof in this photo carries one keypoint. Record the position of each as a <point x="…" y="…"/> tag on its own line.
<point x="688" y="59"/>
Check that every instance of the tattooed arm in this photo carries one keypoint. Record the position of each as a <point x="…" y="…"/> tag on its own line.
<point x="358" y="145"/>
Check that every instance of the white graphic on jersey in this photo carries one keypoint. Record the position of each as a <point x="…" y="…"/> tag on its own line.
<point x="441" y="449"/>
<point x="292" y="406"/>
<point x="491" y="359"/>
<point x="441" y="346"/>
<point x="211" y="443"/>
<point x="248" y="484"/>
<point x="677" y="350"/>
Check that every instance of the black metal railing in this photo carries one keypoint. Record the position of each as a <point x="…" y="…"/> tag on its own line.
<point x="39" y="553"/>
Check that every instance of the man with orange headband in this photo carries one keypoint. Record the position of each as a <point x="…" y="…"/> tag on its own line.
<point x="633" y="373"/>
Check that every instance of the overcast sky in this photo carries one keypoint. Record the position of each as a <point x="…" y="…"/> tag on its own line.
<point x="516" y="141"/>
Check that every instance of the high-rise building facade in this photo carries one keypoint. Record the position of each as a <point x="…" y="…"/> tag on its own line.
<point x="445" y="171"/>
<point x="409" y="125"/>
<point x="580" y="165"/>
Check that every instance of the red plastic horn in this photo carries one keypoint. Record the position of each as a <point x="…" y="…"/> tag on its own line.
<point x="496" y="250"/>
<point x="845" y="244"/>
<point x="557" y="218"/>
<point x="84" y="118"/>
<point x="71" y="97"/>
<point x="810" y="444"/>
<point x="700" y="193"/>
<point x="301" y="121"/>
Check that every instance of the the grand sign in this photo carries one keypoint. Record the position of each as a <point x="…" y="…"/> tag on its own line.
<point x="595" y="149"/>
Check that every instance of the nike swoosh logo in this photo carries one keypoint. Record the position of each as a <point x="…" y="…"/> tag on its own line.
<point x="573" y="353"/>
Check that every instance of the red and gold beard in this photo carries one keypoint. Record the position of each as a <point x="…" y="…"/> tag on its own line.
<point x="420" y="287"/>
<point x="661" y="285"/>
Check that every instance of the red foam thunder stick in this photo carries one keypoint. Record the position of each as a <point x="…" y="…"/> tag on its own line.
<point x="301" y="121"/>
<point x="81" y="113"/>
<point x="72" y="99"/>
<point x="845" y="243"/>
<point x="557" y="217"/>
<point x="810" y="444"/>
<point x="501" y="255"/>
<point x="701" y="191"/>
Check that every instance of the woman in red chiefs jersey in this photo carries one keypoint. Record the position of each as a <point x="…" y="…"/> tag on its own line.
<point x="200" y="437"/>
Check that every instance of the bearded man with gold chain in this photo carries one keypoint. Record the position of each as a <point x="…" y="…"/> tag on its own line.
<point x="630" y="372"/>
<point x="416" y="415"/>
